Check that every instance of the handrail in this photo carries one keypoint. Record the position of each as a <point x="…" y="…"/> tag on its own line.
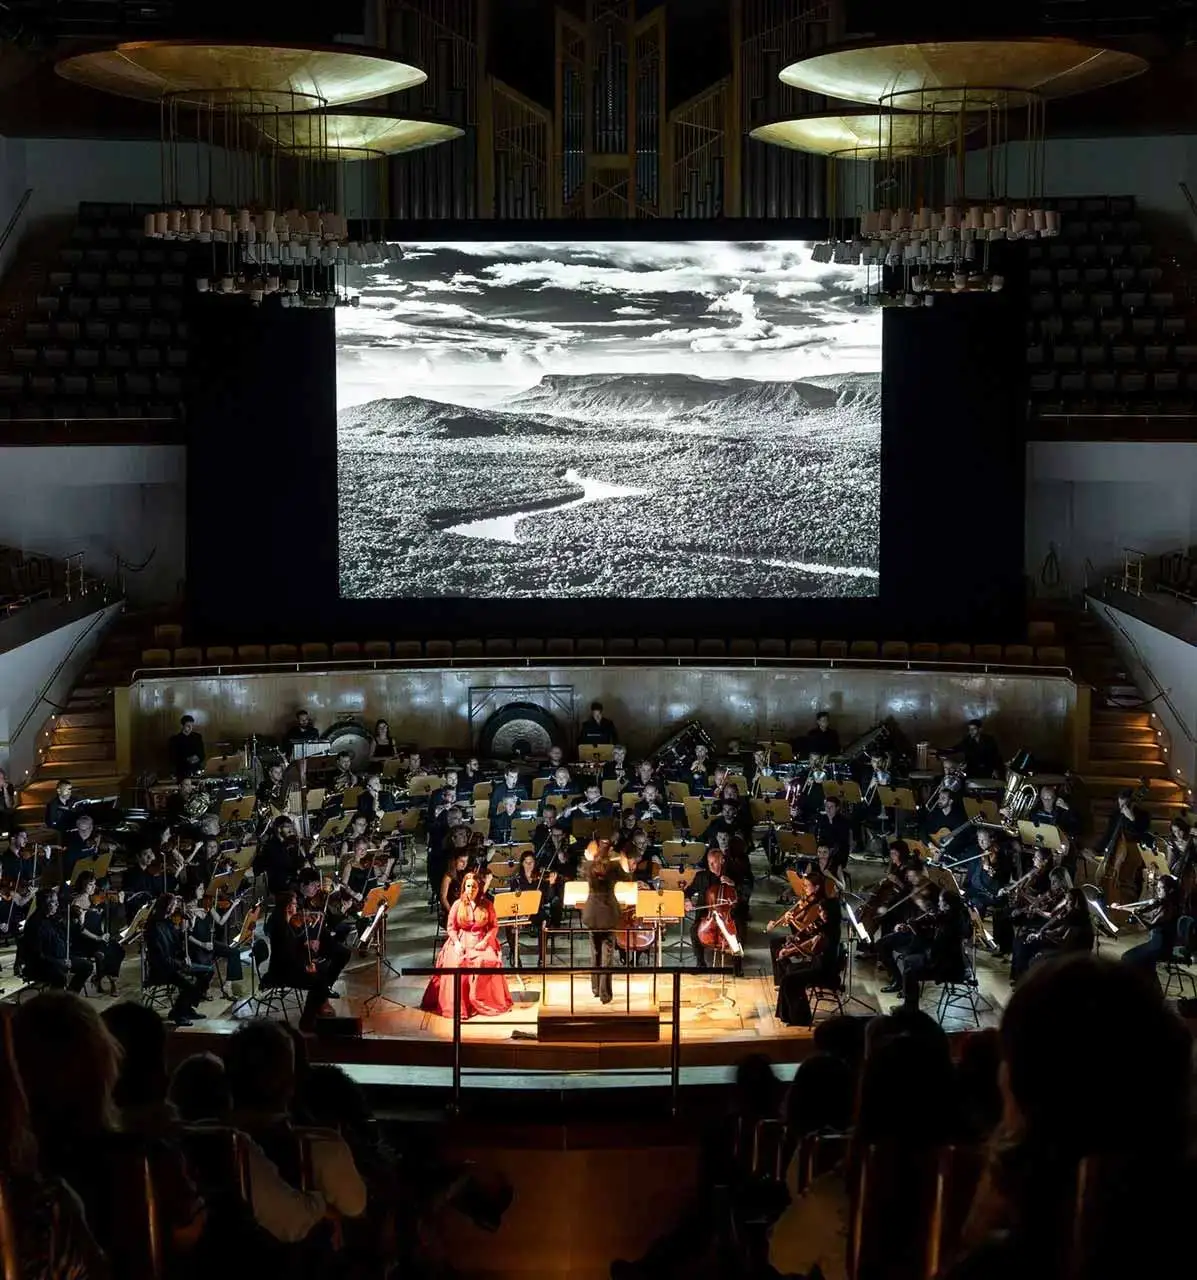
<point x="527" y="662"/>
<point x="16" y="217"/>
<point x="49" y="682"/>
<point x="1161" y="692"/>
<point x="676" y="973"/>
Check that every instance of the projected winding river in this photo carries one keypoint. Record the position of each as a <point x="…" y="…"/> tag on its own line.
<point x="503" y="528"/>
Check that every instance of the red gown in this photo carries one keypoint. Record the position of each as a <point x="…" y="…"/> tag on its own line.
<point x="472" y="942"/>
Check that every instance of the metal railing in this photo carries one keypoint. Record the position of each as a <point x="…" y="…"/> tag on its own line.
<point x="674" y="973"/>
<point x="17" y="214"/>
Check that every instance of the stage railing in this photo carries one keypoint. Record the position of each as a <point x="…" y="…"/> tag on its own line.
<point x="674" y="973"/>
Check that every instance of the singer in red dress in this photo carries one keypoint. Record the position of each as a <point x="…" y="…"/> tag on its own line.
<point x="473" y="941"/>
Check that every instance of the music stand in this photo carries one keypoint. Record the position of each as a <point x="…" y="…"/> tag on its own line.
<point x="689" y="853"/>
<point x="596" y="753"/>
<point x="1154" y="861"/>
<point x="515" y="908"/>
<point x="392" y="766"/>
<point x="674" y="877"/>
<point x="986" y="810"/>
<point x="98" y="866"/>
<point x="857" y="934"/>
<point x="897" y="798"/>
<point x="801" y="844"/>
<point x="847" y="792"/>
<point x="1036" y="836"/>
<point x="374" y="936"/>
<point x="305" y="749"/>
<point x="229" y="881"/>
<point x="238" y="810"/>
<point x="134" y="929"/>
<point x="242" y="859"/>
<point x="663" y="907"/>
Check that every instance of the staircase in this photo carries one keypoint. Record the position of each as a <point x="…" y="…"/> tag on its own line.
<point x="80" y="743"/>
<point x="1125" y="742"/>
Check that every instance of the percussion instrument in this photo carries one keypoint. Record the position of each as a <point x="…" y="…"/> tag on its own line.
<point x="351" y="736"/>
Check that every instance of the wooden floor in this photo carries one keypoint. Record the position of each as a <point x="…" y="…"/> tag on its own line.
<point x="721" y="1018"/>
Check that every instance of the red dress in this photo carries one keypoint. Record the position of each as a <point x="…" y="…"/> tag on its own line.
<point x="473" y="940"/>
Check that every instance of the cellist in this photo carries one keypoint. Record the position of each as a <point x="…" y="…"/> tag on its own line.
<point x="715" y="873"/>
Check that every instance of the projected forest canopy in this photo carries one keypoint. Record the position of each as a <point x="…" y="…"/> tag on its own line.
<point x="622" y="419"/>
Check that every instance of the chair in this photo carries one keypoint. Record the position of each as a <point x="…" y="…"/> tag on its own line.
<point x="410" y="650"/>
<point x="314" y="651"/>
<point x="190" y="656"/>
<point x="771" y="648"/>
<point x="863" y="649"/>
<point x="956" y="652"/>
<point x="830" y="649"/>
<point x="741" y="649"/>
<point x="154" y="995"/>
<point x="1051" y="655"/>
<point x="829" y="994"/>
<point x="589" y="648"/>
<point x="1041" y="631"/>
<point x="963" y="993"/>
<point x="283" y="653"/>
<point x="222" y="653"/>
<point x="250" y="653"/>
<point x="377" y="649"/>
<point x="529" y="647"/>
<point x="468" y="649"/>
<point x="652" y="646"/>
<point x="218" y="1156"/>
<point x="559" y="647"/>
<point x="138" y="1236"/>
<point x="804" y="648"/>
<point x="439" y="649"/>
<point x="712" y="649"/>
<point x="1176" y="966"/>
<point x="987" y="652"/>
<point x="169" y="634"/>
<point x="498" y="648"/>
<point x="620" y="648"/>
<point x="155" y="658"/>
<point x="345" y="649"/>
<point x="895" y="650"/>
<point x="1022" y="654"/>
<point x="267" y="997"/>
<point x="678" y="648"/>
<point x="819" y="1153"/>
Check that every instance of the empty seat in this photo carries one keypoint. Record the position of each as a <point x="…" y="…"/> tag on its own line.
<point x="313" y="651"/>
<point x="439" y="649"/>
<point x="619" y="647"/>
<point x="895" y="650"/>
<point x="924" y="651"/>
<point x="589" y="648"/>
<point x="956" y="652"/>
<point x="218" y="653"/>
<point x="679" y="648"/>
<point x="249" y="652"/>
<point x="653" y="646"/>
<point x="155" y="657"/>
<point x="741" y="648"/>
<point x="1020" y="653"/>
<point x="410" y="650"/>
<point x="467" y="648"/>
<point x="832" y="649"/>
<point x="498" y="648"/>
<point x="559" y="647"/>
<point x="189" y="656"/>
<point x="863" y="649"/>
<point x="168" y="634"/>
<point x="803" y="649"/>
<point x="346" y="649"/>
<point x="529" y="647"/>
<point x="711" y="649"/>
<point x="1051" y="655"/>
<point x="283" y="653"/>
<point x="987" y="652"/>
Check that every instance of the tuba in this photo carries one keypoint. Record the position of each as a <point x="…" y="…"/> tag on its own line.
<point x="1021" y="793"/>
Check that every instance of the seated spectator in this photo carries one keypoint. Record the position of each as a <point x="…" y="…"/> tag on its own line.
<point x="819" y="1100"/>
<point x="977" y="1071"/>
<point x="843" y="1037"/>
<point x="1071" y="1029"/>
<point x="52" y="1237"/>
<point x="199" y="1095"/>
<point x="260" y="1063"/>
<point x="140" y="1092"/>
<point x="70" y="1064"/>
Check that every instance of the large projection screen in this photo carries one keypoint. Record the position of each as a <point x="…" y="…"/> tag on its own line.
<point x="618" y="419"/>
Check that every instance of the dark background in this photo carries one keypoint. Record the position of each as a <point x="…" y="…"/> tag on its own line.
<point x="262" y="484"/>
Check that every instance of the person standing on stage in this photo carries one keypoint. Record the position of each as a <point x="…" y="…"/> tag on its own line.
<point x="601" y="910"/>
<point x="186" y="750"/>
<point x="597" y="730"/>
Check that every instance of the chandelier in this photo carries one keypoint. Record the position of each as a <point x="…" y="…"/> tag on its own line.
<point x="926" y="179"/>
<point x="259" y="153"/>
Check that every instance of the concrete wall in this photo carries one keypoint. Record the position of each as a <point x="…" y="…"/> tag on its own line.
<point x="1089" y="500"/>
<point x="108" y="501"/>
<point x="430" y="707"/>
<point x="24" y="672"/>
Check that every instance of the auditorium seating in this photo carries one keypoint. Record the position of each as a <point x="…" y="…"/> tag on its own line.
<point x="1107" y="331"/>
<point x="105" y="335"/>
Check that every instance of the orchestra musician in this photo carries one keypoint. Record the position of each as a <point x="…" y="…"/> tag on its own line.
<point x="761" y="767"/>
<point x="811" y="955"/>
<point x="382" y="747"/>
<point x="471" y="776"/>
<point x="335" y="933"/>
<point x="472" y="941"/>
<point x="88" y="935"/>
<point x="592" y="805"/>
<point x="18" y="875"/>
<point x="720" y="868"/>
<point x="187" y="805"/>
<point x="1128" y="819"/>
<point x="374" y="800"/>
<point x="545" y="831"/>
<point x="822" y="740"/>
<point x="413" y="768"/>
<point x="986" y="874"/>
<point x="551" y="885"/>
<point x="207" y="940"/>
<point x="598" y="730"/>
<point x="166" y="960"/>
<point x="1182" y="862"/>
<point x="601" y="913"/>
<point x="552" y="762"/>
<point x="82" y="842"/>
<point x="450" y="886"/>
<point x="652" y="804"/>
<point x="560" y="788"/>
<point x="947" y="814"/>
<point x="833" y="829"/>
<point x="271" y="794"/>
<point x="8" y="806"/>
<point x="1067" y="926"/>
<point x="1051" y="809"/>
<point x="441" y="841"/>
<point x="344" y="778"/>
<point x="296" y="959"/>
<point x="982" y="759"/>
<point x="445" y="795"/>
<point x="358" y="829"/>
<point x="1161" y="918"/>
<point x="646" y="776"/>
<point x="43" y="953"/>
<point x="644" y="861"/>
<point x="141" y="882"/>
<point x="186" y="750"/>
<point x="280" y="857"/>
<point x="726" y="822"/>
<point x="616" y="769"/>
<point x="932" y="948"/>
<point x="501" y="820"/>
<point x="59" y="811"/>
<point x="360" y="871"/>
<point x="509" y="786"/>
<point x="700" y="770"/>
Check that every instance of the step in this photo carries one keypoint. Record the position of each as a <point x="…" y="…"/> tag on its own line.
<point x="1124" y="717"/>
<point x="1106" y="785"/>
<point x="86" y="718"/>
<point x="1112" y="735"/>
<point x="75" y="768"/>
<point x="84" y="700"/>
<point x="65" y="752"/>
<point x="91" y="680"/>
<point x="1122" y="767"/>
<point x="66" y="737"/>
<point x="1148" y="751"/>
<point x="41" y="788"/>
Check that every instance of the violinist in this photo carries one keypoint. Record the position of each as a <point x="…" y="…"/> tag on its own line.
<point x="60" y="811"/>
<point x="598" y="730"/>
<point x="1161" y="919"/>
<point x="43" y="952"/>
<point x="560" y="854"/>
<point x="987" y="874"/>
<point x="142" y="881"/>
<point x="1182" y="861"/>
<point x="547" y="830"/>
<point x="329" y="904"/>
<point x="509" y="786"/>
<point x="601" y="913"/>
<point x="82" y="842"/>
<point x="593" y="804"/>
<point x="89" y="935"/>
<point x="8" y="806"/>
<point x="207" y="922"/>
<point x="933" y="945"/>
<point x="280" y="857"/>
<point x="166" y="959"/>
<point x="296" y="959"/>
<point x="1068" y="926"/>
<point x="719" y="870"/>
<point x="382" y="745"/>
<point x="364" y="869"/>
<point x="644" y="861"/>
<point x="501" y="820"/>
<point x="833" y="829"/>
<point x="358" y="829"/>
<point x="551" y="885"/>
<point x="18" y="875"/>
<point x="652" y="806"/>
<point x="811" y="955"/>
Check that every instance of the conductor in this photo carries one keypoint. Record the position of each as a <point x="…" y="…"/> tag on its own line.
<point x="601" y="911"/>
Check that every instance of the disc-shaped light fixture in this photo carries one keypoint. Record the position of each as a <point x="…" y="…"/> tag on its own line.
<point x="855" y="133"/>
<point x="961" y="73"/>
<point x="245" y="77"/>
<point x="352" y="135"/>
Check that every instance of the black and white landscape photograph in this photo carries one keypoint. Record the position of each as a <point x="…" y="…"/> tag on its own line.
<point x="609" y="418"/>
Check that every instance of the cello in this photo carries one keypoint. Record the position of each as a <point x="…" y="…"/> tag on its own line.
<point x="718" y="929"/>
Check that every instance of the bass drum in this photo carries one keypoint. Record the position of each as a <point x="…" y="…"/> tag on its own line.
<point x="354" y="737"/>
<point x="519" y="729"/>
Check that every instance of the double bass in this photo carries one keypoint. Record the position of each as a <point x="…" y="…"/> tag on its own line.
<point x="1120" y="864"/>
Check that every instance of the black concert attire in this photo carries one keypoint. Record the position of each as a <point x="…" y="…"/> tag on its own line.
<point x="60" y="816"/>
<point x="1074" y="932"/>
<point x="637" y="784"/>
<point x="307" y="733"/>
<point x="467" y="780"/>
<point x="77" y="849"/>
<point x="371" y="806"/>
<point x="704" y="879"/>
<point x="935" y="952"/>
<point x="955" y="817"/>
<point x="205" y="947"/>
<point x="817" y="965"/>
<point x="982" y="759"/>
<point x="822" y="742"/>
<point x="551" y="903"/>
<point x="8" y="809"/>
<point x="271" y="795"/>
<point x="659" y="809"/>
<point x="87" y="940"/>
<point x="601" y="914"/>
<point x="187" y="754"/>
<point x="21" y="875"/>
<point x="501" y="789"/>
<point x="289" y="960"/>
<point x="280" y="862"/>
<point x="699" y="778"/>
<point x="597" y="733"/>
<point x="564" y="862"/>
<point x="646" y="866"/>
<point x="1162" y="920"/>
<point x="44" y="954"/>
<point x="500" y="827"/>
<point x="166" y="966"/>
<point x="542" y="841"/>
<point x="836" y="834"/>
<point x="1060" y="815"/>
<point x="558" y="797"/>
<point x="139" y="887"/>
<point x="1136" y="830"/>
<point x="981" y="884"/>
<point x="382" y="750"/>
<point x="600" y="808"/>
<point x="620" y="773"/>
<point x="710" y="837"/>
